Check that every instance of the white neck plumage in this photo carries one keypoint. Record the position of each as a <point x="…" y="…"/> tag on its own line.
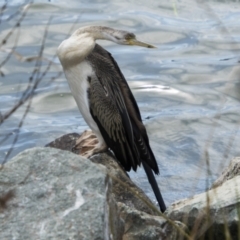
<point x="74" y="49"/>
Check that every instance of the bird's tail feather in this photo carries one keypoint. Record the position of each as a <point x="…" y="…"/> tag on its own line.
<point x="155" y="187"/>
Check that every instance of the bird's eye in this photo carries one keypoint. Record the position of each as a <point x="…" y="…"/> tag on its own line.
<point x="129" y="36"/>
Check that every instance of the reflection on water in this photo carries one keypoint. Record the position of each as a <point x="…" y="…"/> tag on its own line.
<point x="55" y="102"/>
<point x="187" y="89"/>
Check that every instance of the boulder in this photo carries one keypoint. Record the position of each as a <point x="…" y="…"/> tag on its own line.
<point x="48" y="193"/>
<point x="58" y="195"/>
<point x="213" y="214"/>
<point x="55" y="194"/>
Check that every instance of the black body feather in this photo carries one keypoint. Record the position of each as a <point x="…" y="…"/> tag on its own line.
<point x="116" y="113"/>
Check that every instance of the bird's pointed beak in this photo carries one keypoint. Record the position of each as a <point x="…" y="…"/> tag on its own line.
<point x="135" y="42"/>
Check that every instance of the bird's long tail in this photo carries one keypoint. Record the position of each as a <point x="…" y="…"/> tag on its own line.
<point x="155" y="187"/>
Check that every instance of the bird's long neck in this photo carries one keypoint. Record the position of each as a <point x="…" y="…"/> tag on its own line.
<point x="96" y="32"/>
<point x="80" y="44"/>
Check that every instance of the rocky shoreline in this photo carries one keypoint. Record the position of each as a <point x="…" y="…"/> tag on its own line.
<point x="56" y="194"/>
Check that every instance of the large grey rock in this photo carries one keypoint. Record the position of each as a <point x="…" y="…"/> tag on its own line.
<point x="58" y="195"/>
<point x="214" y="214"/>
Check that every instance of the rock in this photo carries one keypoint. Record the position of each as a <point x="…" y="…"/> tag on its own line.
<point x="140" y="218"/>
<point x="214" y="214"/>
<point x="55" y="194"/>
<point x="66" y="142"/>
<point x="58" y="195"/>
<point x="231" y="171"/>
<point x="211" y="215"/>
<point x="124" y="190"/>
<point x="139" y="225"/>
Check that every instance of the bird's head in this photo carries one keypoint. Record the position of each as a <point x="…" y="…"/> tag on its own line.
<point x="117" y="36"/>
<point x="111" y="34"/>
<point x="127" y="38"/>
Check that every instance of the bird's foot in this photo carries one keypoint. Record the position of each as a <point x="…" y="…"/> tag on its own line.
<point x="89" y="145"/>
<point x="95" y="150"/>
<point x="87" y="135"/>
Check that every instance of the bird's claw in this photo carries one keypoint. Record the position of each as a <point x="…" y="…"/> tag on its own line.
<point x="86" y="143"/>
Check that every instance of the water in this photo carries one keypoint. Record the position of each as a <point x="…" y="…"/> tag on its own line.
<point x="187" y="89"/>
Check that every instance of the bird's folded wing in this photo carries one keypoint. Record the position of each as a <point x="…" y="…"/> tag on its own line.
<point x="109" y="112"/>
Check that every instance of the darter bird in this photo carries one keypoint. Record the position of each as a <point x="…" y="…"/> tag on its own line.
<point x="105" y="100"/>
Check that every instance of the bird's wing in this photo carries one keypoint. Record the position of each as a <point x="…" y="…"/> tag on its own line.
<point x="111" y="102"/>
<point x="109" y="112"/>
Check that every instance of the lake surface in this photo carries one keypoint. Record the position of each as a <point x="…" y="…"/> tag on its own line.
<point x="187" y="89"/>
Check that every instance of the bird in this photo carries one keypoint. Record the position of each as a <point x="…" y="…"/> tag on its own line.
<point x="105" y="100"/>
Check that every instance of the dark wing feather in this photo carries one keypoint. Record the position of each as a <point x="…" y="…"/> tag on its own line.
<point x="116" y="113"/>
<point x="109" y="112"/>
<point x="140" y="132"/>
